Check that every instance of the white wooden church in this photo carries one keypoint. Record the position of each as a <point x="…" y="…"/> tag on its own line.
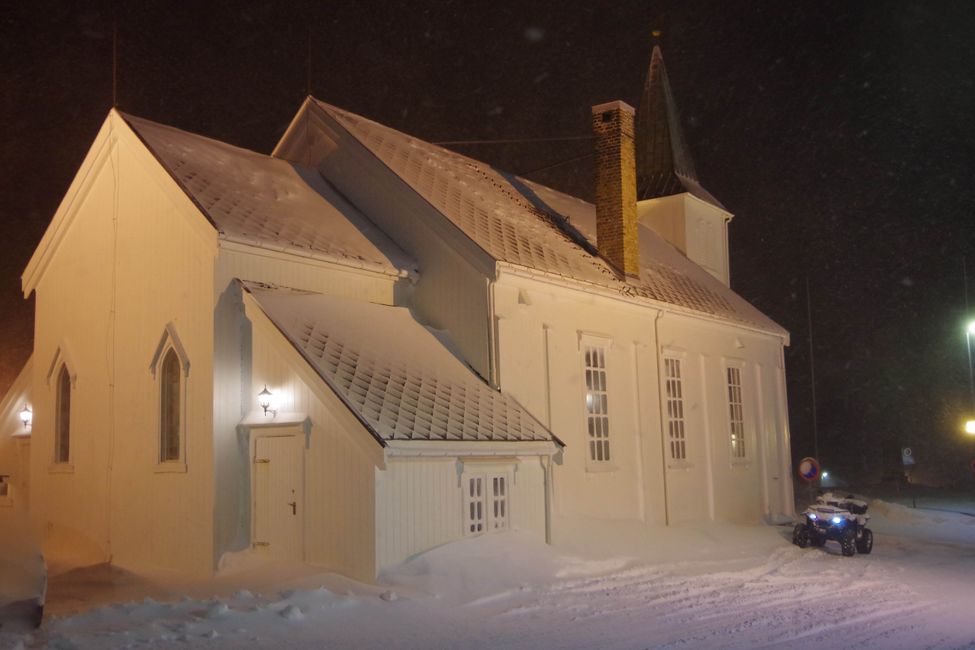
<point x="363" y="345"/>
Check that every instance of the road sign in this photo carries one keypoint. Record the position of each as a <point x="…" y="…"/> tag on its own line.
<point x="808" y="469"/>
<point x="907" y="456"/>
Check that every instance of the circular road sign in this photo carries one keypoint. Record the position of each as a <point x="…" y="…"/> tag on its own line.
<point x="808" y="469"/>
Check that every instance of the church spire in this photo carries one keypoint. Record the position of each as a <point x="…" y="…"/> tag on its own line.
<point x="664" y="164"/>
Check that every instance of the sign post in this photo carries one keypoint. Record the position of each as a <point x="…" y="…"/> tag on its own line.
<point x="809" y="471"/>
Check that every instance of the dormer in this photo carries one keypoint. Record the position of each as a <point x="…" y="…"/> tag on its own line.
<point x="671" y="199"/>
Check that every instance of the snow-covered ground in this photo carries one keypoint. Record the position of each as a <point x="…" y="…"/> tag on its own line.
<point x="714" y="586"/>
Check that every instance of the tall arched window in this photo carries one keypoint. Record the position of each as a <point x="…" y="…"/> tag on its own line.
<point x="169" y="408"/>
<point x="62" y="420"/>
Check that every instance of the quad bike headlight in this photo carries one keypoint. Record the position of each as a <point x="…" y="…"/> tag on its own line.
<point x="837" y="520"/>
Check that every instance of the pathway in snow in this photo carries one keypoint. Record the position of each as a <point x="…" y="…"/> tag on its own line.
<point x="509" y="591"/>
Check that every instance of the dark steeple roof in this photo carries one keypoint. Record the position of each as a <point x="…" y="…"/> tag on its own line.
<point x="664" y="164"/>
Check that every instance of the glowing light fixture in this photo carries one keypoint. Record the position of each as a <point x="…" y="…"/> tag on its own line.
<point x="971" y="327"/>
<point x="264" y="399"/>
<point x="26" y="416"/>
<point x="825" y="474"/>
<point x="970" y="427"/>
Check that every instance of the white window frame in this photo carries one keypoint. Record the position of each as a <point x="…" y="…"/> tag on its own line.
<point x="486" y="510"/>
<point x="487" y="502"/>
<point x="170" y="341"/>
<point x="735" y="410"/>
<point x="596" y="402"/>
<point x="673" y="391"/>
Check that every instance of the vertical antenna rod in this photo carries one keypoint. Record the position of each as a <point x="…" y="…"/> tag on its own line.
<point x="968" y="334"/>
<point x="812" y="372"/>
<point x="308" y="67"/>
<point x="114" y="62"/>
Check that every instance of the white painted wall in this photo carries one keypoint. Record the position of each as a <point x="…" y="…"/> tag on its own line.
<point x="419" y="501"/>
<point x="126" y="254"/>
<point x="738" y="489"/>
<point x="540" y="323"/>
<point x="452" y="291"/>
<point x="341" y="457"/>
<point x="235" y="385"/>
<point x="540" y="330"/>
<point x="695" y="227"/>
<point x="15" y="441"/>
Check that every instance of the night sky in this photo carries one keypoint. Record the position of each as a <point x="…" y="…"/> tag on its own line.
<point x="840" y="134"/>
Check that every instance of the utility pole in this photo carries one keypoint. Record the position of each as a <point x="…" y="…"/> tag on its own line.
<point x="812" y="373"/>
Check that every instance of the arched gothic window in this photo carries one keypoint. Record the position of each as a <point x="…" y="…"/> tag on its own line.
<point x="62" y="420"/>
<point x="169" y="407"/>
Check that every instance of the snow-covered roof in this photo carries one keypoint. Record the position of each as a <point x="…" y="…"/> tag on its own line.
<point x="398" y="377"/>
<point x="529" y="225"/>
<point x="266" y="202"/>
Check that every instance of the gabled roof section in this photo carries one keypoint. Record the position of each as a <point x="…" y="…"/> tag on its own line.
<point x="663" y="161"/>
<point x="398" y="378"/>
<point x="532" y="226"/>
<point x="478" y="199"/>
<point x="265" y="202"/>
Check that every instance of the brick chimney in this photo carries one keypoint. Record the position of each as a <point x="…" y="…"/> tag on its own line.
<point x="616" y="217"/>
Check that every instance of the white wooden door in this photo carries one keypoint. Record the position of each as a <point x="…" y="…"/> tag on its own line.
<point x="278" y="503"/>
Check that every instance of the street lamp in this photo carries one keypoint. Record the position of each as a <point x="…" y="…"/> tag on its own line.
<point x="264" y="399"/>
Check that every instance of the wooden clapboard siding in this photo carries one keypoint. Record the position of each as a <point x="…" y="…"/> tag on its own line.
<point x="340" y="458"/>
<point x="133" y="255"/>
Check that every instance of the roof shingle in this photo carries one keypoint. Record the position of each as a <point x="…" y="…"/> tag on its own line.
<point x="394" y="373"/>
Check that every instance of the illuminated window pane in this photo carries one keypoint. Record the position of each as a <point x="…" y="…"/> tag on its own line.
<point x="675" y="408"/>
<point x="597" y="403"/>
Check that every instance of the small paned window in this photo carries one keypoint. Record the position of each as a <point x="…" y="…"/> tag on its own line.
<point x="62" y="418"/>
<point x="485" y="503"/>
<point x="597" y="403"/>
<point x="736" y="418"/>
<point x="169" y="408"/>
<point x="675" y="408"/>
<point x="475" y="505"/>
<point x="499" y="503"/>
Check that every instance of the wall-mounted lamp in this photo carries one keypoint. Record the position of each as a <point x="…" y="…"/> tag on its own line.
<point x="26" y="416"/>
<point x="264" y="399"/>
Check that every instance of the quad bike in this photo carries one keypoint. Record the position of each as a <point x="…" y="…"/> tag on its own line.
<point x="839" y="519"/>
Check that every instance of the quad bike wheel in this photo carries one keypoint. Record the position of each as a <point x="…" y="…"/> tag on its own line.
<point x="800" y="536"/>
<point x="817" y="540"/>
<point x="848" y="544"/>
<point x="865" y="543"/>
